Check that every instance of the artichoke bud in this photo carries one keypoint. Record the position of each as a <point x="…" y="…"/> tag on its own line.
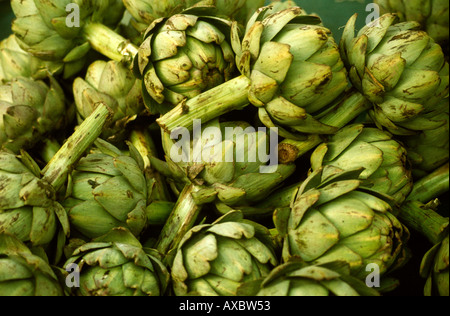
<point x="399" y="68"/>
<point x="114" y="84"/>
<point x="297" y="278"/>
<point x="182" y="56"/>
<point x="29" y="110"/>
<point x="24" y="273"/>
<point x="108" y="190"/>
<point x="431" y="14"/>
<point x="27" y="203"/>
<point x="320" y="226"/>
<point x="305" y="78"/>
<point x="116" y="264"/>
<point x="215" y="259"/>
<point x="429" y="149"/>
<point x="58" y="32"/>
<point x="384" y="159"/>
<point x="434" y="268"/>
<point x="232" y="157"/>
<point x="146" y="11"/>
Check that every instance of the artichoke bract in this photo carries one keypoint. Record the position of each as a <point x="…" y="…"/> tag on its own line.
<point x="296" y="278"/>
<point x="29" y="207"/>
<point x="291" y="91"/>
<point x="65" y="30"/>
<point x="384" y="159"/>
<point x="15" y="62"/>
<point x="146" y="11"/>
<point x="23" y="273"/>
<point x="116" y="264"/>
<point x="434" y="268"/>
<point x="429" y="149"/>
<point x="182" y="56"/>
<point x="107" y="189"/>
<point x="400" y="69"/>
<point x="215" y="259"/>
<point x="29" y="110"/>
<point x="433" y="15"/>
<point x="113" y="83"/>
<point x="331" y="218"/>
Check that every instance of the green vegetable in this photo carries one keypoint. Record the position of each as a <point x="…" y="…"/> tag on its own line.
<point x="384" y="159"/>
<point x="296" y="278"/>
<point x="15" y="62"/>
<point x="65" y="30"/>
<point x="107" y="189"/>
<point x="29" y="110"/>
<point x="400" y="69"/>
<point x="228" y="170"/>
<point x="431" y="14"/>
<point x="116" y="264"/>
<point x="182" y="56"/>
<point x="115" y="84"/>
<point x="290" y="69"/>
<point x="23" y="273"/>
<point x="430" y="148"/>
<point x="420" y="213"/>
<point x="147" y="11"/>
<point x="29" y="203"/>
<point x="215" y="259"/>
<point x="332" y="218"/>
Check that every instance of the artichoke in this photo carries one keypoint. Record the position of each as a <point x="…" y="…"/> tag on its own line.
<point x="420" y="214"/>
<point x="224" y="167"/>
<point x="147" y="11"/>
<point x="430" y="148"/>
<point x="29" y="207"/>
<point x="434" y="268"/>
<point x="291" y="91"/>
<point x="116" y="264"/>
<point x="400" y="69"/>
<point x="65" y="30"/>
<point x="215" y="259"/>
<point x="182" y="56"/>
<point x="15" y="62"/>
<point x="29" y="110"/>
<point x="296" y="278"/>
<point x="431" y="14"/>
<point x="115" y="84"/>
<point x="23" y="273"/>
<point x="332" y="218"/>
<point x="107" y="189"/>
<point x="384" y="159"/>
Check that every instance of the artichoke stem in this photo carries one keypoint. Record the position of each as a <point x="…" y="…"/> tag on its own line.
<point x="347" y="109"/>
<point x="431" y="186"/>
<point x="289" y="150"/>
<point x="229" y="96"/>
<point x="423" y="219"/>
<point x="143" y="142"/>
<point x="60" y="165"/>
<point x="109" y="43"/>
<point x="181" y="220"/>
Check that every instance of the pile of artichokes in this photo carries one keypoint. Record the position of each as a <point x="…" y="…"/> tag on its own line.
<point x="222" y="148"/>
